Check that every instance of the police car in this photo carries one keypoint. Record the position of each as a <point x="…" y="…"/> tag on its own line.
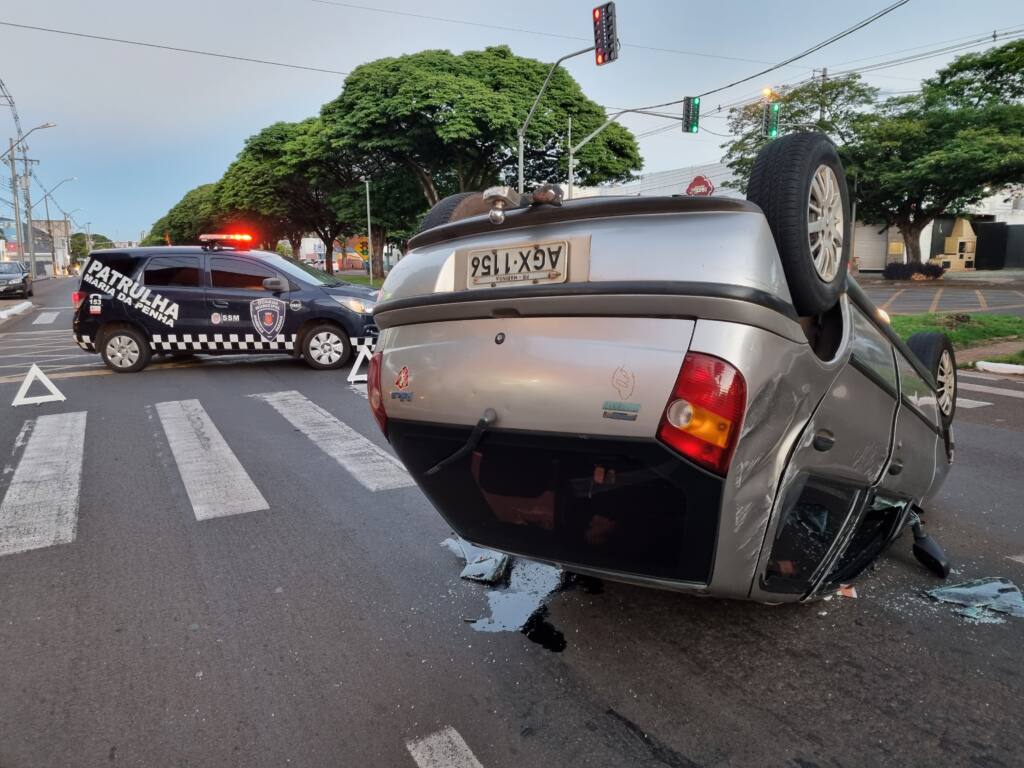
<point x="216" y="298"/>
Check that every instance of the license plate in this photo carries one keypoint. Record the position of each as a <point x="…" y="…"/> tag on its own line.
<point x="532" y="264"/>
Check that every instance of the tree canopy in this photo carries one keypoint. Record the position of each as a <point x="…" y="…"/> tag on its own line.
<point x="943" y="149"/>
<point x="452" y="121"/>
<point x="829" y="107"/>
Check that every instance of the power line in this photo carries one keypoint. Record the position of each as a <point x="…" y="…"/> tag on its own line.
<point x="172" y="48"/>
<point x="524" y="31"/>
<point x="993" y="34"/>
<point x="836" y="37"/>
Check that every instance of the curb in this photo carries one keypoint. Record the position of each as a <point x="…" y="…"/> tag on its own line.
<point x="984" y="365"/>
<point x="17" y="309"/>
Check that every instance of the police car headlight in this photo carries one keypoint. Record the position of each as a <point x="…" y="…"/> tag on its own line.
<point x="359" y="306"/>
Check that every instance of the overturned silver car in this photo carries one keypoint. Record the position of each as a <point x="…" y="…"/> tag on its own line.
<point x="681" y="392"/>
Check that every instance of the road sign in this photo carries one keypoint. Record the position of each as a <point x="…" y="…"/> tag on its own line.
<point x="701" y="185"/>
<point x="36" y="374"/>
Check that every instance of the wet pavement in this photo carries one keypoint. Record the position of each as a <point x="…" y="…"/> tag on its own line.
<point x="326" y="625"/>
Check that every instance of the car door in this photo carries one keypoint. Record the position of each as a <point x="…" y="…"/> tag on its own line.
<point x="841" y="454"/>
<point x="245" y="315"/>
<point x="172" y="308"/>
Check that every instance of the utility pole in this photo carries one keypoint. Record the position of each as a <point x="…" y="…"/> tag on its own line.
<point x="369" y="229"/>
<point x="14" y="196"/>
<point x="821" y="98"/>
<point x="26" y="178"/>
<point x="571" y="158"/>
<point x="67" y="241"/>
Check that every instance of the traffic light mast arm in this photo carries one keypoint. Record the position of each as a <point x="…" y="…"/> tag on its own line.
<point x="593" y="134"/>
<point x="536" y="101"/>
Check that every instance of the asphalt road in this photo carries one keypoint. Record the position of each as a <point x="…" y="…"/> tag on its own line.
<point x="327" y="626"/>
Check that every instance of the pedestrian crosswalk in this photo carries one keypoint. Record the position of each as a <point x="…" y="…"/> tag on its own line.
<point x="373" y="467"/>
<point x="216" y="482"/>
<point x="39" y="507"/>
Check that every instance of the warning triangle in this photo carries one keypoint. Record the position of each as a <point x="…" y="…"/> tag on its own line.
<point x="36" y="374"/>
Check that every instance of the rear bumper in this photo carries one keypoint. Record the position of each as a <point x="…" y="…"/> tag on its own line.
<point x="622" y="507"/>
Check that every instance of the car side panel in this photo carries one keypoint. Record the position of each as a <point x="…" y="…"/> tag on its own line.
<point x="785" y="382"/>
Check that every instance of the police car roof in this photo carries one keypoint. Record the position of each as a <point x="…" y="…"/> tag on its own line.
<point x="157" y="250"/>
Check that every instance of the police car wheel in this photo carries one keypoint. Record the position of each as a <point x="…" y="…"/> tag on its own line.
<point x="326" y="347"/>
<point x="125" y="350"/>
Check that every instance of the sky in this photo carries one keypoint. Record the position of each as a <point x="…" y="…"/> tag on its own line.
<point x="140" y="127"/>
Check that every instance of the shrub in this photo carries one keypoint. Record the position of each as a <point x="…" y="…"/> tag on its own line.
<point x="907" y="271"/>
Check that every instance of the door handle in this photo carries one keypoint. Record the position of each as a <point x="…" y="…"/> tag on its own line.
<point x="823" y="440"/>
<point x="219" y="303"/>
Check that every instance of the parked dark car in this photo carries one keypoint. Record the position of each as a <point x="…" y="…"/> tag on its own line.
<point x="15" y="279"/>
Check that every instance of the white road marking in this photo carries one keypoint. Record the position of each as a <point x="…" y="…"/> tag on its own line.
<point x="40" y="508"/>
<point x="1016" y="558"/>
<point x="215" y="480"/>
<point x="964" y="402"/>
<point x="1019" y="394"/>
<point x="359" y="389"/>
<point x="373" y="467"/>
<point x="45" y="318"/>
<point x="444" y="749"/>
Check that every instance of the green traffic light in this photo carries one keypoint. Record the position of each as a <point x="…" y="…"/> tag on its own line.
<point x="696" y="100"/>
<point x="693" y="129"/>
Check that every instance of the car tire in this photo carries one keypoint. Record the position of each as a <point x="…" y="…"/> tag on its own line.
<point x="453" y="208"/>
<point x="799" y="184"/>
<point x="326" y="347"/>
<point x="935" y="351"/>
<point x="125" y="350"/>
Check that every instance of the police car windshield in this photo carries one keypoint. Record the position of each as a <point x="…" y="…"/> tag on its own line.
<point x="9" y="266"/>
<point x="303" y="272"/>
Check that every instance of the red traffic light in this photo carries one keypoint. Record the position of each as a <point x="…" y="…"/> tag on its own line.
<point x="606" y="39"/>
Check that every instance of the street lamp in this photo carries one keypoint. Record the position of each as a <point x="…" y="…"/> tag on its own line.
<point x="25" y="136"/>
<point x="369" y="227"/>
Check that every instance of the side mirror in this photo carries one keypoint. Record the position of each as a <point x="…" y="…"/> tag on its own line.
<point x="275" y="285"/>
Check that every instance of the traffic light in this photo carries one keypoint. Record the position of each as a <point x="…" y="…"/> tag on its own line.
<point x="770" y="120"/>
<point x="606" y="40"/>
<point x="691" y="114"/>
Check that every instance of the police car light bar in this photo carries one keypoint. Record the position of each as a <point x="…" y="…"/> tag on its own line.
<point x="221" y="238"/>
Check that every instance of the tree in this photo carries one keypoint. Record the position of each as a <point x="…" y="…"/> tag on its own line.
<point x="451" y="121"/>
<point x="195" y="213"/>
<point x="397" y="206"/>
<point x="829" y="107"/>
<point x="937" y="152"/>
<point x="80" y="245"/>
<point x="253" y="195"/>
<point x="322" y="176"/>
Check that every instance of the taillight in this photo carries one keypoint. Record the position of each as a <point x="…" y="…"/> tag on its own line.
<point x="373" y="391"/>
<point x="77" y="297"/>
<point x="705" y="412"/>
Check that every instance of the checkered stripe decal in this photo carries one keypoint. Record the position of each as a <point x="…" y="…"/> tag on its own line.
<point x="85" y="342"/>
<point x="219" y="342"/>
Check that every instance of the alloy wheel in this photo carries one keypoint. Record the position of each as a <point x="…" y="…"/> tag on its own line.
<point x="947" y="383"/>
<point x="825" y="223"/>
